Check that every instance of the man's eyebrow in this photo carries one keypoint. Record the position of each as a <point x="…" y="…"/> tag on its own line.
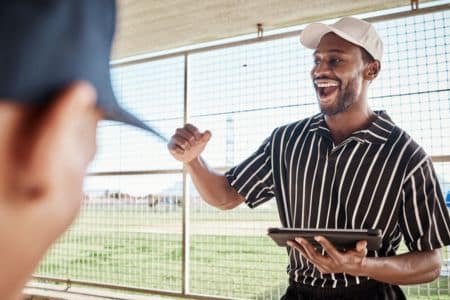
<point x="330" y="51"/>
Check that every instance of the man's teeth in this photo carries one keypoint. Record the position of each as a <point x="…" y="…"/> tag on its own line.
<point x="326" y="83"/>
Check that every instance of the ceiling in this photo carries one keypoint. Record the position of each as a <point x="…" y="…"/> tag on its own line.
<point x="146" y="26"/>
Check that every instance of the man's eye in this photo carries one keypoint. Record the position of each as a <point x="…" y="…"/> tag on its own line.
<point x="316" y="62"/>
<point x="334" y="61"/>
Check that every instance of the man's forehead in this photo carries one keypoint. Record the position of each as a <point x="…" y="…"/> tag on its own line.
<point x="331" y="42"/>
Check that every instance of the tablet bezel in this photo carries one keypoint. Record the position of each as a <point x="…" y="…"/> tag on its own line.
<point x="342" y="239"/>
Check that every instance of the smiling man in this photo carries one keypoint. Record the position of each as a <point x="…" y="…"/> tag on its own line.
<point x="346" y="167"/>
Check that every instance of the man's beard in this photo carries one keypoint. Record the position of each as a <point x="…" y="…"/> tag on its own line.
<point x="344" y="100"/>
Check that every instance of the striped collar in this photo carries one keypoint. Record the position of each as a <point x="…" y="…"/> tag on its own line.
<point x="377" y="133"/>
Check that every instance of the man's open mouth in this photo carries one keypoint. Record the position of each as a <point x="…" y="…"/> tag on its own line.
<point x="326" y="87"/>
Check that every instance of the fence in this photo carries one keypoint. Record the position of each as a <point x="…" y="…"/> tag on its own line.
<point x="135" y="231"/>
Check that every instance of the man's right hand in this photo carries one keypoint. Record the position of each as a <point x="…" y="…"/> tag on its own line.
<point x="188" y="143"/>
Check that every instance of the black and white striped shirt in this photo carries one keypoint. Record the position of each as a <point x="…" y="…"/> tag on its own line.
<point x="377" y="178"/>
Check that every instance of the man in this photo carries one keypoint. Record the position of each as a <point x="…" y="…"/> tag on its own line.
<point x="48" y="121"/>
<point x="346" y="167"/>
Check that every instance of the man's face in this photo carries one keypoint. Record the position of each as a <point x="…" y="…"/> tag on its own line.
<point x="44" y="153"/>
<point x="337" y="74"/>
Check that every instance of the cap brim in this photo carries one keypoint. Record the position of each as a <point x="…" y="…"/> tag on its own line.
<point x="313" y="33"/>
<point x="121" y="115"/>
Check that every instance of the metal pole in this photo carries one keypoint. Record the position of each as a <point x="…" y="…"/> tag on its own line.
<point x="141" y="172"/>
<point x="186" y="197"/>
<point x="70" y="282"/>
<point x="440" y="158"/>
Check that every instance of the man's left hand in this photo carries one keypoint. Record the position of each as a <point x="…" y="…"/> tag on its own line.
<point x="349" y="262"/>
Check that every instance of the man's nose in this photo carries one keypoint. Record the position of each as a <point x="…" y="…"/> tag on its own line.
<point x="320" y="69"/>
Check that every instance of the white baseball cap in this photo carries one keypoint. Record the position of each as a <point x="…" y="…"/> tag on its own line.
<point x="355" y="31"/>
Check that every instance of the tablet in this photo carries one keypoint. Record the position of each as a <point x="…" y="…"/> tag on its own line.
<point x="342" y="239"/>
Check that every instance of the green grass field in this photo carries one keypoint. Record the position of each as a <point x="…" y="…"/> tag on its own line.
<point x="143" y="248"/>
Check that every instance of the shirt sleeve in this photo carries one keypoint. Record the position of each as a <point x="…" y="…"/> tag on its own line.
<point x="253" y="177"/>
<point x="424" y="219"/>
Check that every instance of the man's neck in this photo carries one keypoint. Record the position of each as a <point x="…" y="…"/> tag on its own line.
<point x="343" y="124"/>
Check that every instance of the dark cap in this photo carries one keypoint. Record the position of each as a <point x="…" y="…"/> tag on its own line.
<point x="47" y="44"/>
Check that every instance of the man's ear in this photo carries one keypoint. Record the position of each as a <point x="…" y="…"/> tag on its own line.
<point x="371" y="70"/>
<point x="45" y="136"/>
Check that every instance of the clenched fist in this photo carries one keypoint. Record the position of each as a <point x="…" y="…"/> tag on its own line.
<point x="188" y="143"/>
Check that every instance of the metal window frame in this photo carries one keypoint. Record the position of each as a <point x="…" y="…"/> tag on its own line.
<point x="185" y="292"/>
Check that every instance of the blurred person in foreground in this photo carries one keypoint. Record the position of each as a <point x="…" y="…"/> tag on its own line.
<point x="348" y="167"/>
<point x="54" y="88"/>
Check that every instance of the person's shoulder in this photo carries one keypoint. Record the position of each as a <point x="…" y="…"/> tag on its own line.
<point x="294" y="128"/>
<point x="397" y="136"/>
<point x="414" y="152"/>
<point x="401" y="140"/>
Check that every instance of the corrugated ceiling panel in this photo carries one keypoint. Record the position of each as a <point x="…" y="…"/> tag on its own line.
<point x="147" y="26"/>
